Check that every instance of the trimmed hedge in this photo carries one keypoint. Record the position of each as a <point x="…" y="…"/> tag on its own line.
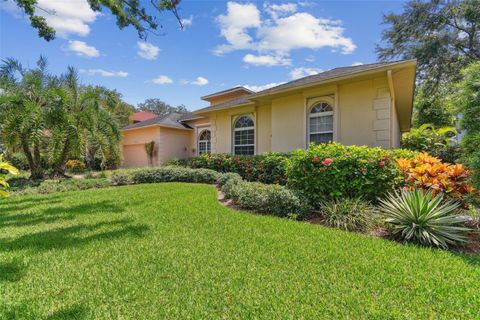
<point x="264" y="198"/>
<point x="335" y="171"/>
<point x="266" y="168"/>
<point x="175" y="174"/>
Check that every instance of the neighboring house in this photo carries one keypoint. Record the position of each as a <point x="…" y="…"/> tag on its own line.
<point x="142" y="116"/>
<point x="358" y="105"/>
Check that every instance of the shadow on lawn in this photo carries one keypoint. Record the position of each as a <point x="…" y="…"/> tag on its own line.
<point x="16" y="218"/>
<point x="74" y="236"/>
<point x="76" y="311"/>
<point x="11" y="271"/>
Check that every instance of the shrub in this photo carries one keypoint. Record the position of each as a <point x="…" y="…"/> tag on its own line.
<point x="348" y="214"/>
<point x="5" y="168"/>
<point x="430" y="173"/>
<point x="178" y="174"/>
<point x="177" y="162"/>
<point x="226" y="177"/>
<point x="336" y="171"/>
<point x="421" y="217"/>
<point x="121" y="178"/>
<point x="437" y="142"/>
<point x="266" y="168"/>
<point x="75" y="166"/>
<point x="264" y="198"/>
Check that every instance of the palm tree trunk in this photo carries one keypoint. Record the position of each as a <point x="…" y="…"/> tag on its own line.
<point x="59" y="168"/>
<point x="36" y="171"/>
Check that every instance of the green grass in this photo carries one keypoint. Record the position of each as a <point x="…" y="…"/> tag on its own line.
<point x="171" y="251"/>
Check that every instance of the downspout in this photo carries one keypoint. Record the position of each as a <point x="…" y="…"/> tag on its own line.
<point x="392" y="104"/>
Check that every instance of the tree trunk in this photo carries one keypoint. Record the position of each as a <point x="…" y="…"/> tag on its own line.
<point x="59" y="168"/>
<point x="36" y="170"/>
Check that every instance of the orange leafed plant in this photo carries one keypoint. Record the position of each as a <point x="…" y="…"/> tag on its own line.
<point x="430" y="173"/>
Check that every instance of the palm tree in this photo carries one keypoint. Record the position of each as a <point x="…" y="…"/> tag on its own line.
<point x="52" y="119"/>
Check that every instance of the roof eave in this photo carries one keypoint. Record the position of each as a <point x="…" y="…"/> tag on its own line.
<point x="155" y="125"/>
<point x="205" y="110"/>
<point x="413" y="62"/>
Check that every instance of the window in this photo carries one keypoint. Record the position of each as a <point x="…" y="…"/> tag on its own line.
<point x="320" y="123"/>
<point x="204" y="142"/>
<point x="244" y="136"/>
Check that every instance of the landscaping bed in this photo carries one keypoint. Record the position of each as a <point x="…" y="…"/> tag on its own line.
<point x="171" y="250"/>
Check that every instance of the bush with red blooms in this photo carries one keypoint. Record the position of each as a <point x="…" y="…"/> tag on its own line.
<point x="337" y="171"/>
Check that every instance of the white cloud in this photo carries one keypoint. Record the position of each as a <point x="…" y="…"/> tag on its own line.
<point x="162" y="79"/>
<point x="276" y="10"/>
<point x="266" y="60"/>
<point x="310" y="58"/>
<point x="200" y="81"/>
<point x="357" y="63"/>
<point x="81" y="48"/>
<point x="105" y="73"/>
<point x="301" y="72"/>
<point x="262" y="87"/>
<point x="67" y="17"/>
<point x="244" y="29"/>
<point x="187" y="22"/>
<point x="147" y="50"/>
<point x="234" y="25"/>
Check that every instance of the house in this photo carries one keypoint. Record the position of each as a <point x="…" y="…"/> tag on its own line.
<point x="369" y="104"/>
<point x="142" y="116"/>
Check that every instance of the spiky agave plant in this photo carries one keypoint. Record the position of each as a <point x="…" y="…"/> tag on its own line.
<point x="422" y="218"/>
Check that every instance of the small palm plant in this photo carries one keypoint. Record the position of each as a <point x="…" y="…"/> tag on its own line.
<point x="5" y="167"/>
<point x="421" y="217"/>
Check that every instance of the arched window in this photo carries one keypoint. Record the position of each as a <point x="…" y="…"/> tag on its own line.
<point x="204" y="142"/>
<point x="320" y="123"/>
<point x="244" y="136"/>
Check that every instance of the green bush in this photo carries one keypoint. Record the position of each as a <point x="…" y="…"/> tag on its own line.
<point x="266" y="168"/>
<point x="418" y="216"/>
<point x="440" y="143"/>
<point x="264" y="198"/>
<point x="226" y="177"/>
<point x="176" y="162"/>
<point x="348" y="214"/>
<point x="175" y="174"/>
<point x="334" y="171"/>
<point x="121" y="178"/>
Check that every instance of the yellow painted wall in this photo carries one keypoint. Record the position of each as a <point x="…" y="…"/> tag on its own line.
<point x="174" y="143"/>
<point x="288" y="128"/>
<point x="133" y="146"/>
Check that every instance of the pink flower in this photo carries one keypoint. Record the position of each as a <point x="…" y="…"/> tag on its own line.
<point x="327" y="162"/>
<point x="316" y="159"/>
<point x="381" y="163"/>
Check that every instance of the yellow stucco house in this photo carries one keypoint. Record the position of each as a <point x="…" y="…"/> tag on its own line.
<point x="358" y="105"/>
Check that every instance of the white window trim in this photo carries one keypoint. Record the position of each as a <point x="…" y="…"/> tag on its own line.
<point x="311" y="104"/>
<point x="207" y="141"/>
<point x="252" y="117"/>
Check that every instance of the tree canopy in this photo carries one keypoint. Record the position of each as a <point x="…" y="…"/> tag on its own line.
<point x="444" y="36"/>
<point x="159" y="107"/>
<point x="52" y="119"/>
<point x="127" y="12"/>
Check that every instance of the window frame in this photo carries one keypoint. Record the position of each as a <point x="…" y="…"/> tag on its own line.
<point x="312" y="104"/>
<point x="208" y="142"/>
<point x="234" y="122"/>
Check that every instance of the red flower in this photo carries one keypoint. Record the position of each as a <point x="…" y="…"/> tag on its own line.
<point x="381" y="163"/>
<point x="316" y="159"/>
<point x="327" y="162"/>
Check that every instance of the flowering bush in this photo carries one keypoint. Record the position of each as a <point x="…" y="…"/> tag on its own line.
<point x="335" y="171"/>
<point x="429" y="173"/>
<point x="266" y="168"/>
<point x="75" y="165"/>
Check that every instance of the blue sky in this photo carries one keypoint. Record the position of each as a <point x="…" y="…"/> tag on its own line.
<point x="224" y="44"/>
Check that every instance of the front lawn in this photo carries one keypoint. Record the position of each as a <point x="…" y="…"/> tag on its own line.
<point x="172" y="251"/>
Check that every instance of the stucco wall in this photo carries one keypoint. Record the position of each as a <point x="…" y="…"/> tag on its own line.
<point x="363" y="113"/>
<point x="133" y="146"/>
<point x="174" y="143"/>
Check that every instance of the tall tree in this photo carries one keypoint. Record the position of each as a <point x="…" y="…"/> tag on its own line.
<point x="159" y="107"/>
<point x="444" y="37"/>
<point x="52" y="119"/>
<point x="127" y="12"/>
<point x="468" y="100"/>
